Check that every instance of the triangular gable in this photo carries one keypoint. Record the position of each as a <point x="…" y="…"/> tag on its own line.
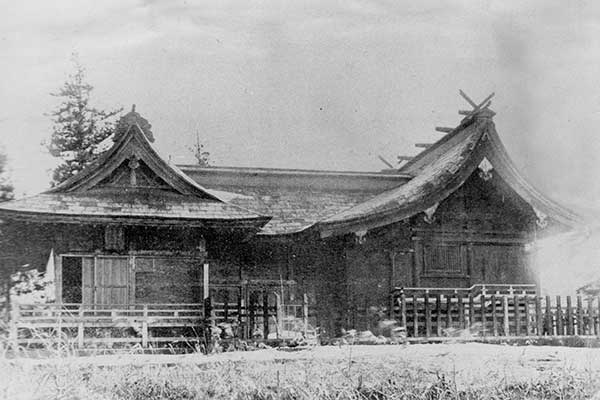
<point x="438" y="172"/>
<point x="132" y="162"/>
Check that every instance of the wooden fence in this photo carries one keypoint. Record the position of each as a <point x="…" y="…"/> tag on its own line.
<point x="151" y="324"/>
<point x="428" y="314"/>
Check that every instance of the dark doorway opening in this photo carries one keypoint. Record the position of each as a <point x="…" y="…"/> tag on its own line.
<point x="71" y="282"/>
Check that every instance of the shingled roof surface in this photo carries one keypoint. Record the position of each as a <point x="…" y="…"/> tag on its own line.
<point x="293" y="210"/>
<point x="295" y="199"/>
<point x="127" y="204"/>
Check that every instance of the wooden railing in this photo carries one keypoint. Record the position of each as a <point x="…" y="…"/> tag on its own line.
<point x="147" y="324"/>
<point x="38" y="323"/>
<point x="496" y="314"/>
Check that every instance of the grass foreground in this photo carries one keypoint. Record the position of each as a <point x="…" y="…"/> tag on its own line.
<point x="427" y="371"/>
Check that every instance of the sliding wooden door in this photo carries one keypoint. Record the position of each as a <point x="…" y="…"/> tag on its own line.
<point x="105" y="280"/>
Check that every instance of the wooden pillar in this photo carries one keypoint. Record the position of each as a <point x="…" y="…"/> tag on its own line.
<point x="427" y="315"/>
<point x="549" y="324"/>
<point x="58" y="278"/>
<point x="417" y="261"/>
<point x="392" y="280"/>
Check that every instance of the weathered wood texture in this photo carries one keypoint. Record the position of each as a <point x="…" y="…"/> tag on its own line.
<point x="499" y="314"/>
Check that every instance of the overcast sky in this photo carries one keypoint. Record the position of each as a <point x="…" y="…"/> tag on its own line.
<point x="314" y="84"/>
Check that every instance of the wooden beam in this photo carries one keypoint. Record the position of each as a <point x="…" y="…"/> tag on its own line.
<point x="423" y="145"/>
<point x="383" y="160"/>
<point x="483" y="105"/>
<point x="405" y="158"/>
<point x="467" y="98"/>
<point x="444" y="129"/>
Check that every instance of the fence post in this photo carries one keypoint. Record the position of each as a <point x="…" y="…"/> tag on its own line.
<point x="226" y="305"/>
<point x="559" y="318"/>
<point x="482" y="311"/>
<point x="80" y="328"/>
<point x="517" y="315"/>
<point x="251" y="314"/>
<point x="580" y="325"/>
<point x="597" y="317"/>
<point x="569" y="316"/>
<point x="13" y="333"/>
<point x="590" y="325"/>
<point x="539" y="321"/>
<point x="506" y="322"/>
<point x="494" y="316"/>
<point x="461" y="311"/>
<point x="438" y="315"/>
<point x="415" y="316"/>
<point x="449" y="311"/>
<point x="471" y="311"/>
<point x="145" y="327"/>
<point x="403" y="309"/>
<point x="305" y="313"/>
<point x="243" y="326"/>
<point x="549" y="324"/>
<point x="279" y="324"/>
<point x="427" y="316"/>
<point x="527" y="321"/>
<point x="265" y="313"/>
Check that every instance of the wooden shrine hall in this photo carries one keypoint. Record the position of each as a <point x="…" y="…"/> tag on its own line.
<point x="333" y="249"/>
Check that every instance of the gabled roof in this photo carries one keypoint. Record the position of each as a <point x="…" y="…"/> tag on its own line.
<point x="439" y="171"/>
<point x="133" y="184"/>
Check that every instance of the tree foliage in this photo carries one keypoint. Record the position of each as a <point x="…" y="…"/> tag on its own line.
<point x="79" y="128"/>
<point x="6" y="188"/>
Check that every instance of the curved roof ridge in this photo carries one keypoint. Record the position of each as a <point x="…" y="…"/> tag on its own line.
<point x="436" y="180"/>
<point x="113" y="157"/>
<point x="503" y="164"/>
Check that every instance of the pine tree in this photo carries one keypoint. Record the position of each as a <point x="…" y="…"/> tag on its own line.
<point x="6" y="188"/>
<point x="79" y="128"/>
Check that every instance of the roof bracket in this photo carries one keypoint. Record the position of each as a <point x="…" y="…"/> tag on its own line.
<point x="429" y="217"/>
